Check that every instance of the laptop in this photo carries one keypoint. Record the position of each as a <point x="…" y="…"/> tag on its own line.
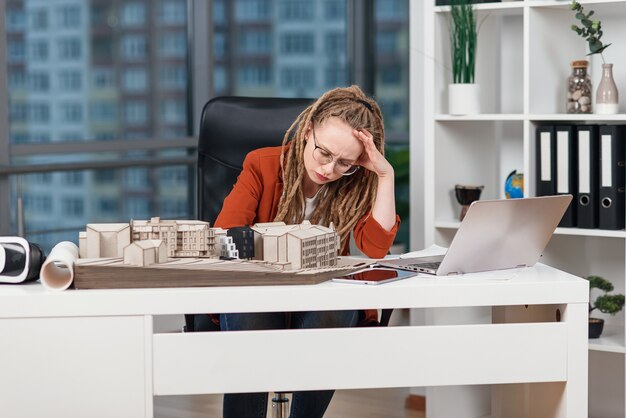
<point x="495" y="235"/>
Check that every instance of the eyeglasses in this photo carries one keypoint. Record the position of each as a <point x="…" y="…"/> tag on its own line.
<point x="324" y="157"/>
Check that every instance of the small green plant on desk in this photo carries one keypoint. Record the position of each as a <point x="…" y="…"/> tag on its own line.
<point x="605" y="303"/>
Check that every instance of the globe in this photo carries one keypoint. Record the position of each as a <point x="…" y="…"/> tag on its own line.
<point x="514" y="185"/>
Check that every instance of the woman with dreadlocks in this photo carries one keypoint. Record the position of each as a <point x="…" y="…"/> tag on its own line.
<point x="333" y="170"/>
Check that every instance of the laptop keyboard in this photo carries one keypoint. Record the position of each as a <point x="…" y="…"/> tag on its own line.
<point x="433" y="266"/>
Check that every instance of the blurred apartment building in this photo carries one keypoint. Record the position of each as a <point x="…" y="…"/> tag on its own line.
<point x="99" y="70"/>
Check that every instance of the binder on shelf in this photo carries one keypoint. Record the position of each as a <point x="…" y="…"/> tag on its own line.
<point x="612" y="173"/>
<point x="588" y="200"/>
<point x="566" y="181"/>
<point x="546" y="162"/>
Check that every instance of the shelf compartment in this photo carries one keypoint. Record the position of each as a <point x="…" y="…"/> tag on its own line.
<point x="581" y="232"/>
<point x="482" y="117"/>
<point x="549" y="65"/>
<point x="577" y="117"/>
<point x="499" y="63"/>
<point x="474" y="153"/>
<point x="503" y="8"/>
<point x="611" y="340"/>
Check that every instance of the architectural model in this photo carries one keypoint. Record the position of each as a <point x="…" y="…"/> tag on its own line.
<point x="143" y="243"/>
<point x="145" y="253"/>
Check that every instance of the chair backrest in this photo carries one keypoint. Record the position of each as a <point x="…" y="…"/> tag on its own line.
<point x="230" y="127"/>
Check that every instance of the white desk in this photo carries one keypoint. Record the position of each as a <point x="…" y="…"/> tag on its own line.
<point x="93" y="353"/>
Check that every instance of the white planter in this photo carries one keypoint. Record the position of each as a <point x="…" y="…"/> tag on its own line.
<point x="463" y="99"/>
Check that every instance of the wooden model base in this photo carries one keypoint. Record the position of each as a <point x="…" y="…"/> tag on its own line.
<point x="112" y="273"/>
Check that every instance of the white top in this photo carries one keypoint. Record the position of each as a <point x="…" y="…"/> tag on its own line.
<point x="309" y="205"/>
<point x="2" y="258"/>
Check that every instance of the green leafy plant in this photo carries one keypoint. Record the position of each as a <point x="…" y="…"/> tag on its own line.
<point x="463" y="38"/>
<point x="591" y="30"/>
<point x="605" y="303"/>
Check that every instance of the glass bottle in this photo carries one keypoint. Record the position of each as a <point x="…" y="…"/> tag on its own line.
<point x="607" y="96"/>
<point x="579" y="89"/>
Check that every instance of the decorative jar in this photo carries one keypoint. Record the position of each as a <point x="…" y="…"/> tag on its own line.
<point x="579" y="89"/>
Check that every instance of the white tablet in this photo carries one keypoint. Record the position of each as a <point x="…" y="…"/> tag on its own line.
<point x="374" y="275"/>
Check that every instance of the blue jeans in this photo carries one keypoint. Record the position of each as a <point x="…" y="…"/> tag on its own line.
<point x="304" y="404"/>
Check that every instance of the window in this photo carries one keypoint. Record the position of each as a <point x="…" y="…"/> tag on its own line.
<point x="298" y="78"/>
<point x="38" y="50"/>
<point x="37" y="203"/>
<point x="135" y="79"/>
<point x="136" y="208"/>
<point x="335" y="9"/>
<point x="219" y="45"/>
<point x="172" y="176"/>
<point x="390" y="9"/>
<point x="17" y="80"/>
<point x="386" y="41"/>
<point x="15" y="20"/>
<point x="74" y="178"/>
<point x="173" y="111"/>
<point x="173" y="77"/>
<point x="133" y="14"/>
<point x="172" y="12"/>
<point x="335" y="77"/>
<point x="105" y="176"/>
<point x="69" y="48"/>
<point x="102" y="48"/>
<point x="72" y="206"/>
<point x="103" y="111"/>
<point x="173" y="208"/>
<point x="16" y="51"/>
<point x="84" y="73"/>
<point x="219" y="12"/>
<point x="296" y="9"/>
<point x="69" y="16"/>
<point x="335" y="43"/>
<point x="136" y="178"/>
<point x="297" y="43"/>
<point x="70" y="80"/>
<point x="71" y="112"/>
<point x="173" y="44"/>
<point x="135" y="112"/>
<point x="254" y="75"/>
<point x="103" y="78"/>
<point x="253" y="10"/>
<point x="253" y="42"/>
<point x="390" y="76"/>
<point x="39" y="19"/>
<point x="38" y="81"/>
<point x="134" y="47"/>
<point x="38" y="112"/>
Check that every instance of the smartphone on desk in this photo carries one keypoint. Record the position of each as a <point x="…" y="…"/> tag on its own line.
<point x="374" y="275"/>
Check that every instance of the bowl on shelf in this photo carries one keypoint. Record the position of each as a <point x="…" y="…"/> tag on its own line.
<point x="465" y="195"/>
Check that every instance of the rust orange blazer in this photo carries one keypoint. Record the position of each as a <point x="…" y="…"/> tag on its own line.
<point x="255" y="198"/>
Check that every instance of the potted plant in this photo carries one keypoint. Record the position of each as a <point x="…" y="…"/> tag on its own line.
<point x="607" y="97"/>
<point x="605" y="303"/>
<point x="463" y="93"/>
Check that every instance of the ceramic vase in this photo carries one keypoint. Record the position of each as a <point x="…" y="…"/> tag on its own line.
<point x="463" y="99"/>
<point x="607" y="96"/>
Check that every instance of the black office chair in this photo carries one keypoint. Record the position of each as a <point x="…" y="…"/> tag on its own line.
<point x="230" y="127"/>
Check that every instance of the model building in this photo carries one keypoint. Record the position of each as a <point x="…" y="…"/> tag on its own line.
<point x="150" y="242"/>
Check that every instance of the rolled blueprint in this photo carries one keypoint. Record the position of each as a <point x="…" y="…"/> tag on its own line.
<point x="57" y="273"/>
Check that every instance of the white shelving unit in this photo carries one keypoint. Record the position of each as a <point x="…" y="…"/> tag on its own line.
<point x="524" y="52"/>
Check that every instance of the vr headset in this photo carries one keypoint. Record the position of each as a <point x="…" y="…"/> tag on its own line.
<point x="20" y="260"/>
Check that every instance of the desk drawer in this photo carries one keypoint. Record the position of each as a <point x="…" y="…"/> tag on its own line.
<point x="278" y="360"/>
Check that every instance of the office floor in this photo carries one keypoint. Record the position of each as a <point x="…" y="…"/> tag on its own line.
<point x="370" y="403"/>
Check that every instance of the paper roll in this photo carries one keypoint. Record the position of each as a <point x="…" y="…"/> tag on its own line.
<point x="57" y="273"/>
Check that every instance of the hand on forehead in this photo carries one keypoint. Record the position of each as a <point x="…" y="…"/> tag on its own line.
<point x="337" y="137"/>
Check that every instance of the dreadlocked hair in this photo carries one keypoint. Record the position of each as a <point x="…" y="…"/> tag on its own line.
<point x="349" y="198"/>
